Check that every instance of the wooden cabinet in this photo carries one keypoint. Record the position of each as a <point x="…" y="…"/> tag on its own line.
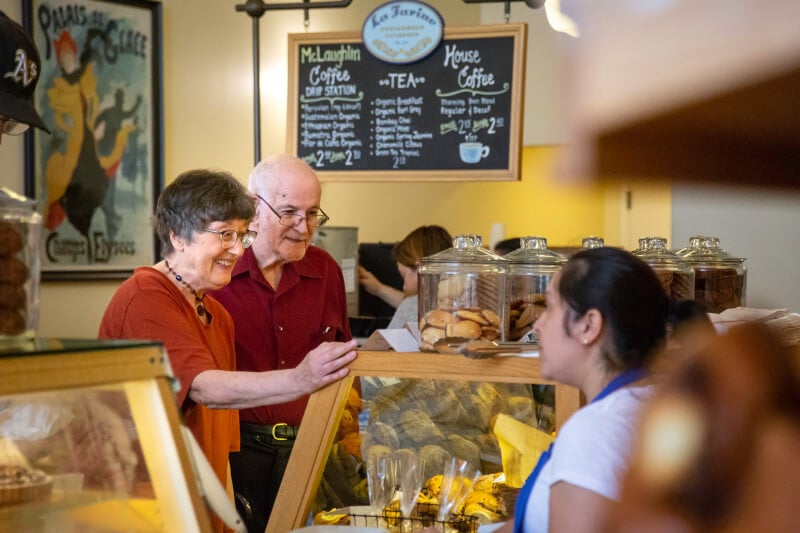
<point x="99" y="420"/>
<point x="325" y="408"/>
<point x="685" y="90"/>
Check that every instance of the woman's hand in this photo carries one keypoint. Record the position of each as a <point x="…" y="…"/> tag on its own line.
<point x="373" y="285"/>
<point x="324" y="364"/>
<point x="368" y="280"/>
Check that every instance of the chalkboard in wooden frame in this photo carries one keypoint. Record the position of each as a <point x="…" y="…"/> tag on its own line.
<point x="455" y="115"/>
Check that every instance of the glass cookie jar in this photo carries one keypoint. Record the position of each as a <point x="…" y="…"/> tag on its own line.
<point x="720" y="280"/>
<point x="530" y="269"/>
<point x="20" y="228"/>
<point x="462" y="294"/>
<point x="676" y="276"/>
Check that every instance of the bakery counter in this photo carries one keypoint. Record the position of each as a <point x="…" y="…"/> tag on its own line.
<point x="436" y="406"/>
<point x="90" y="440"/>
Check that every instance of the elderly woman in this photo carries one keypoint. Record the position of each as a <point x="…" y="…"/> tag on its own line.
<point x="606" y="318"/>
<point x="202" y="222"/>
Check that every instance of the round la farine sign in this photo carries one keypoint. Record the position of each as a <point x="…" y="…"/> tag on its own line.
<point x="402" y="31"/>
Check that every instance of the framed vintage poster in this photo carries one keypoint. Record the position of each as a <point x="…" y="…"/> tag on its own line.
<point x="96" y="176"/>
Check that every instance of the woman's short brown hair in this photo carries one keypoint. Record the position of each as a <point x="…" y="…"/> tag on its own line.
<point x="195" y="199"/>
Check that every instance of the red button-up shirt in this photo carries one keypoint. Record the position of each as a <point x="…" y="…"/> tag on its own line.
<point x="275" y="329"/>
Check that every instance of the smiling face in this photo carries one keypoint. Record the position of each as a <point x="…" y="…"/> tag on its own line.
<point x="204" y="263"/>
<point x="293" y="188"/>
<point x="559" y="345"/>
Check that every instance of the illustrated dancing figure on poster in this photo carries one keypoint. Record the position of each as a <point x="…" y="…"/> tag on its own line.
<point x="111" y="131"/>
<point x="78" y="174"/>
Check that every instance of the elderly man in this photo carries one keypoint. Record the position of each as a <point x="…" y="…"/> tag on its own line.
<point x="19" y="74"/>
<point x="286" y="297"/>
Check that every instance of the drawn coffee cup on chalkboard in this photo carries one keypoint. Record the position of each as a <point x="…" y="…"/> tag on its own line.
<point x="472" y="152"/>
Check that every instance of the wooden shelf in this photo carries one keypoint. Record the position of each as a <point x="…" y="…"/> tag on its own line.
<point x="695" y="91"/>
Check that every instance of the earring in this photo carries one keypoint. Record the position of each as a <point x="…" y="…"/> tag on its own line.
<point x="585" y="341"/>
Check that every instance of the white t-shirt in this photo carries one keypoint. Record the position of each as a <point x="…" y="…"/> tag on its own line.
<point x="591" y="451"/>
<point x="405" y="312"/>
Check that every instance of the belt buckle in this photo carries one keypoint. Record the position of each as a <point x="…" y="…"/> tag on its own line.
<point x="281" y="424"/>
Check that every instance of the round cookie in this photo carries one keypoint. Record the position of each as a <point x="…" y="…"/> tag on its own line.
<point x="12" y="296"/>
<point x="11" y="322"/>
<point x="13" y="271"/>
<point x="10" y="239"/>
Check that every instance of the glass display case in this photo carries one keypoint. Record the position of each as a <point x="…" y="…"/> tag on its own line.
<point x="90" y="441"/>
<point x="426" y="403"/>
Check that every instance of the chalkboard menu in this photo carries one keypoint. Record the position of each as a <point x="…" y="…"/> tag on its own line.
<point x="454" y="115"/>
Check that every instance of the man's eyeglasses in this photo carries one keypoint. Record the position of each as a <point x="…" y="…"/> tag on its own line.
<point x="229" y="237"/>
<point x="314" y="220"/>
<point x="9" y="126"/>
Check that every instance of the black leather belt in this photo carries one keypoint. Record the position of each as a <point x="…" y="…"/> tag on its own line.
<point x="279" y="431"/>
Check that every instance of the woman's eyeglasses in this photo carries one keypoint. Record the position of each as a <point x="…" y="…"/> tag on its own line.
<point x="229" y="237"/>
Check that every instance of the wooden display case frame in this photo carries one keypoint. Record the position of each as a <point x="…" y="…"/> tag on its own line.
<point x="325" y="408"/>
<point x="143" y="369"/>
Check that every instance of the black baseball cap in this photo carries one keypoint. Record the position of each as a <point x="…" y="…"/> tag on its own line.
<point x="19" y="73"/>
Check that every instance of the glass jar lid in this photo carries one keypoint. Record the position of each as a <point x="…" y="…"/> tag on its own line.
<point x="654" y="251"/>
<point x="694" y="242"/>
<point x="707" y="250"/>
<point x="17" y="207"/>
<point x="533" y="250"/>
<point x="592" y="242"/>
<point x="466" y="250"/>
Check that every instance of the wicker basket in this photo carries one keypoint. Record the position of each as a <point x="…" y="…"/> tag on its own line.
<point x="423" y="516"/>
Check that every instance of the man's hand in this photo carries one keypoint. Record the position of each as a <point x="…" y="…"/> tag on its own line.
<point x="324" y="364"/>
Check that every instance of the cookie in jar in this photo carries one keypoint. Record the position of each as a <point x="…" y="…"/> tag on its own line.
<point x="530" y="269"/>
<point x="13" y="276"/>
<point x="19" y="267"/>
<point x="674" y="272"/>
<point x="720" y="279"/>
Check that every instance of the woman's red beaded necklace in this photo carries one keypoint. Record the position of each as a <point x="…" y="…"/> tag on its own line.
<point x="198" y="300"/>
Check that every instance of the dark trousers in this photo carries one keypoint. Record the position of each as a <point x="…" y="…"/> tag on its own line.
<point x="256" y="471"/>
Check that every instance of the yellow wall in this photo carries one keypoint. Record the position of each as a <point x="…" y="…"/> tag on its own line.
<point x="207" y="86"/>
<point x="535" y="205"/>
<point x="649" y="212"/>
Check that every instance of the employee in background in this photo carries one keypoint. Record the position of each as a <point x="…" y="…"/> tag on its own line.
<point x="606" y="318"/>
<point x="202" y="220"/>
<point x="19" y="74"/>
<point x="507" y="245"/>
<point x="422" y="242"/>
<point x="286" y="298"/>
